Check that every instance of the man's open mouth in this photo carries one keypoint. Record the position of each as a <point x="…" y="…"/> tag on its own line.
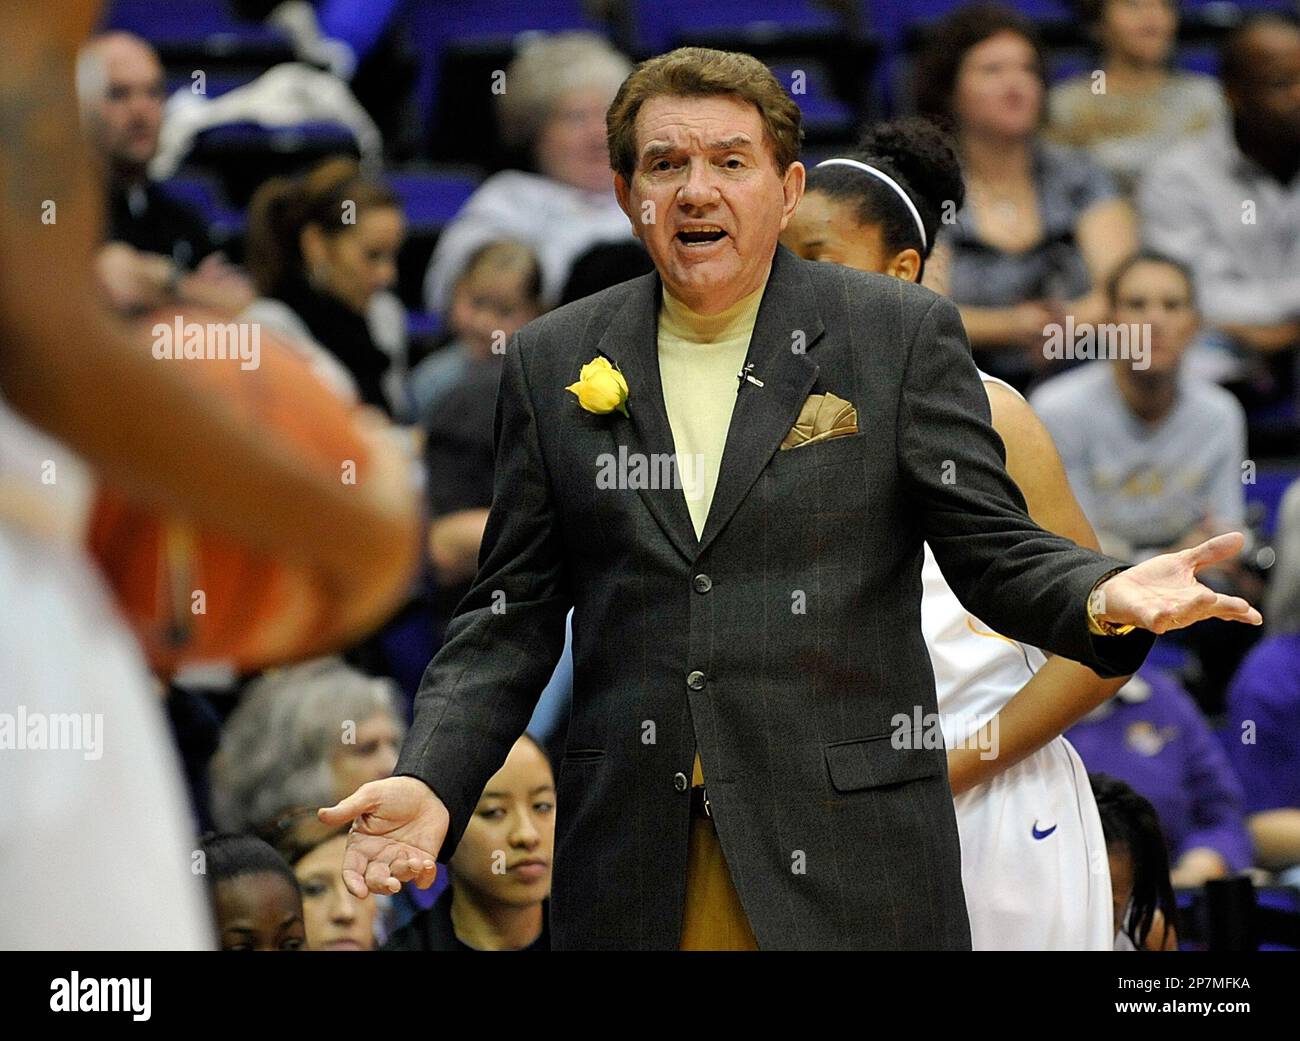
<point x="701" y="235"/>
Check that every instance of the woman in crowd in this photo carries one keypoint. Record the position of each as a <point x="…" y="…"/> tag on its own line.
<point x="335" y="920"/>
<point x="1031" y="838"/>
<point x="1135" y="105"/>
<point x="1042" y="227"/>
<point x="500" y="871"/>
<point x="303" y="737"/>
<point x="1144" y="906"/>
<point x="255" y="896"/>
<point x="496" y="294"/>
<point x="322" y="250"/>
<point x="553" y="106"/>
<point x="1152" y="735"/>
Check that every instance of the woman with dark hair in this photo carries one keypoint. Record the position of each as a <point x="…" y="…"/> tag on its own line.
<point x="1134" y="105"/>
<point x="255" y="895"/>
<point x="1029" y="831"/>
<point x="322" y="250"/>
<point x="1145" y="911"/>
<point x="1042" y="225"/>
<point x="501" y="870"/>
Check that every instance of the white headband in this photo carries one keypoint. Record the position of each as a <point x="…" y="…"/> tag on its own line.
<point x="911" y="206"/>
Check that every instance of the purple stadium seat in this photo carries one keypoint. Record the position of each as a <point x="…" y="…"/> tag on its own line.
<point x="166" y="22"/>
<point x="822" y="111"/>
<point x="205" y="195"/>
<point x="431" y="199"/>
<point x="658" y="26"/>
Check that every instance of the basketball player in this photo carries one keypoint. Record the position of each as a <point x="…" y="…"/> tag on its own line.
<point x="95" y="847"/>
<point x="1034" y="863"/>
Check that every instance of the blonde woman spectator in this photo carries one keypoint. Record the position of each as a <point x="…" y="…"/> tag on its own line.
<point x="1134" y="105"/>
<point x="556" y="92"/>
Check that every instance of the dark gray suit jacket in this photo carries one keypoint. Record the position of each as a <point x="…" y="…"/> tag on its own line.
<point x="781" y="643"/>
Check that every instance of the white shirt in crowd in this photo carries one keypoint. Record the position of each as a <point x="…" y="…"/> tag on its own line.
<point x="556" y="221"/>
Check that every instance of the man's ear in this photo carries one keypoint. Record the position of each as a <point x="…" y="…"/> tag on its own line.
<point x="905" y="265"/>
<point x="623" y="192"/>
<point x="792" y="186"/>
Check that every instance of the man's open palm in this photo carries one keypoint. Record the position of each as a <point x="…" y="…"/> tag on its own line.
<point x="398" y="828"/>
<point x="1162" y="594"/>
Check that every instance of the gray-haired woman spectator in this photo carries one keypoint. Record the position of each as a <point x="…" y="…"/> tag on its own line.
<point x="303" y="737"/>
<point x="556" y="92"/>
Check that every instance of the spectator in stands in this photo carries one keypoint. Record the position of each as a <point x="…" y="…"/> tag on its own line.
<point x="1135" y="105"/>
<point x="1262" y="736"/>
<point x="158" y="249"/>
<point x="1042" y="226"/>
<point x="322" y="250"/>
<point x="1283" y="600"/>
<point x="501" y="870"/>
<point x="1145" y="908"/>
<point x="1153" y="453"/>
<point x="300" y="737"/>
<point x="557" y="90"/>
<point x="1152" y="735"/>
<point x="1228" y="203"/>
<point x="335" y="920"/>
<point x="255" y="896"/>
<point x="497" y="293"/>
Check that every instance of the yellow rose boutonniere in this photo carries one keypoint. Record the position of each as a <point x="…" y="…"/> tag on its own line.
<point x="600" y="388"/>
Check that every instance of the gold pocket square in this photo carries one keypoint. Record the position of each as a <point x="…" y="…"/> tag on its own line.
<point x="822" y="417"/>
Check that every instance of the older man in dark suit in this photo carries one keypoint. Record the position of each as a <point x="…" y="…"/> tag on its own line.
<point x="746" y="617"/>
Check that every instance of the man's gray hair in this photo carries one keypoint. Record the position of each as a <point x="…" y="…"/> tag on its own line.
<point x="549" y="66"/>
<point x="276" y="747"/>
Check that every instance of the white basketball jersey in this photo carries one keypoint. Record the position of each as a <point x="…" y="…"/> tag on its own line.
<point x="1034" y="865"/>
<point x="96" y="851"/>
<point x="976" y="670"/>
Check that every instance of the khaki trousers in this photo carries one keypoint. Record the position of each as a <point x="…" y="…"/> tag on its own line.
<point x="713" y="919"/>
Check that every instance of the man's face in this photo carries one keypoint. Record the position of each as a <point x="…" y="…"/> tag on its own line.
<point x="706" y="197"/>
<point x="1270" y="97"/>
<point x="125" y="118"/>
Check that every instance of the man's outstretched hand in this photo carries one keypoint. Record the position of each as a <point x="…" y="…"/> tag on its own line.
<point x="398" y="826"/>
<point x="1162" y="593"/>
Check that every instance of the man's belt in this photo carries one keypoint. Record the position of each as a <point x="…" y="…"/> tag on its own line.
<point x="700" y="802"/>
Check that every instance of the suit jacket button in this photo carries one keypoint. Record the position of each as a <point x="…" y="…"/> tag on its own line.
<point x="680" y="782"/>
<point x="703" y="583"/>
<point x="695" y="680"/>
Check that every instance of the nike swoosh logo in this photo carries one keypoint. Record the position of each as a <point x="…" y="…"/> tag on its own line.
<point x="1042" y="834"/>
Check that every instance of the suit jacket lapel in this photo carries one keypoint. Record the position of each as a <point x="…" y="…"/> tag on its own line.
<point x="631" y="343"/>
<point x="787" y="326"/>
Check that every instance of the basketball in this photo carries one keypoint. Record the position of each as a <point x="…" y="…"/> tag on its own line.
<point x="194" y="596"/>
